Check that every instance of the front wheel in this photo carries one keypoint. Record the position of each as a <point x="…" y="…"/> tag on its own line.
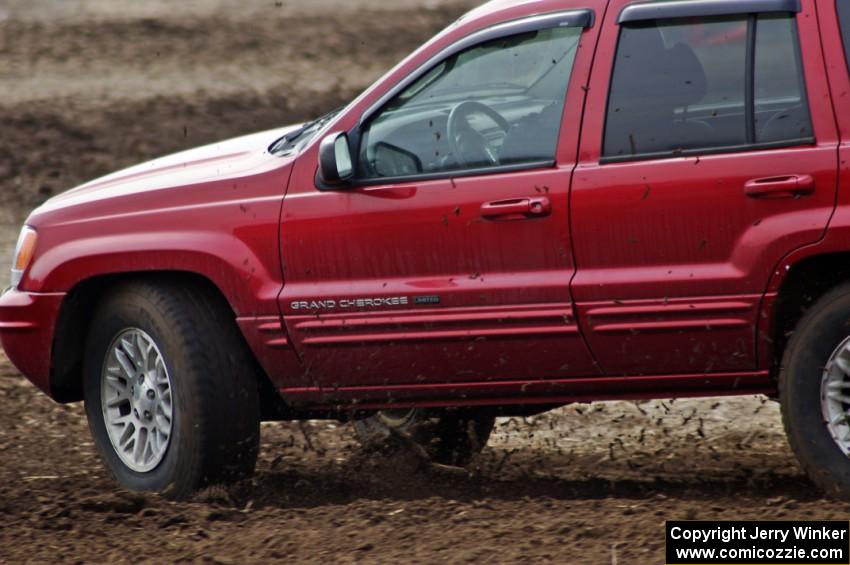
<point x="170" y="397"/>
<point x="814" y="392"/>
<point x="450" y="437"/>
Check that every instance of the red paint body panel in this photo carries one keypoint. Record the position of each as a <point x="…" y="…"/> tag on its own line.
<point x="555" y="391"/>
<point x="641" y="279"/>
<point x="837" y="236"/>
<point x="429" y="238"/>
<point x="222" y="226"/>
<point x="676" y="228"/>
<point x="212" y="211"/>
<point x="649" y="336"/>
<point x="445" y="345"/>
<point x="26" y="329"/>
<point x="267" y="338"/>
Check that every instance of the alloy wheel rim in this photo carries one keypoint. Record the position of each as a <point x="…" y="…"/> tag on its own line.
<point x="136" y="399"/>
<point x="835" y="395"/>
<point x="397" y="417"/>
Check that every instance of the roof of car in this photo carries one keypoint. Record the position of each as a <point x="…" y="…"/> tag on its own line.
<point x="494" y="6"/>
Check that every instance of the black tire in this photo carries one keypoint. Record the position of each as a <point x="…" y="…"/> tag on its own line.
<point x="449" y="437"/>
<point x="215" y="422"/>
<point x="822" y="329"/>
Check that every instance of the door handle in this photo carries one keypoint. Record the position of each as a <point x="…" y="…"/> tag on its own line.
<point x="787" y="186"/>
<point x="516" y="208"/>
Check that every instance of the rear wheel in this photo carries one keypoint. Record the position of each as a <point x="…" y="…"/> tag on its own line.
<point x="814" y="391"/>
<point x="170" y="394"/>
<point x="450" y="437"/>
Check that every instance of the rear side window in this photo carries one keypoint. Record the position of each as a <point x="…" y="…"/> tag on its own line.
<point x="843" y="7"/>
<point x="781" y="112"/>
<point x="689" y="86"/>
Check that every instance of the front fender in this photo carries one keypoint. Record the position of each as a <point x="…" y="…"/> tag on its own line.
<point x="242" y="269"/>
<point x="226" y="231"/>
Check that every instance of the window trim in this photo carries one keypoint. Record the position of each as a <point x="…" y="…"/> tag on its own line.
<point x="749" y="100"/>
<point x="442" y="175"/>
<point x="643" y="11"/>
<point x="750" y="80"/>
<point x="797" y="142"/>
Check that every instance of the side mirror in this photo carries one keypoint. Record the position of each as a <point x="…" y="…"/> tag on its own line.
<point x="335" y="164"/>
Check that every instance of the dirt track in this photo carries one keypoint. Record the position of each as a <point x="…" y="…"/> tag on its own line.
<point x="88" y="86"/>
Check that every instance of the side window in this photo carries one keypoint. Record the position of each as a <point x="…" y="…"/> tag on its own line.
<point x="781" y="111"/>
<point x="687" y="86"/>
<point x="843" y="8"/>
<point x="497" y="103"/>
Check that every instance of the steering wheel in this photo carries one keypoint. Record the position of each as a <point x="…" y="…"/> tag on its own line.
<point x="468" y="146"/>
<point x="778" y="125"/>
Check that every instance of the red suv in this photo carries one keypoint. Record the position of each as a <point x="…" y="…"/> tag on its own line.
<point x="549" y="202"/>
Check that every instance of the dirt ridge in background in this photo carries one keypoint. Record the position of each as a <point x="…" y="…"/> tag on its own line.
<point x="146" y="40"/>
<point x="44" y="151"/>
<point x="81" y="100"/>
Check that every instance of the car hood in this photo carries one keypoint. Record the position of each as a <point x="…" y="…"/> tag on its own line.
<point x="220" y="161"/>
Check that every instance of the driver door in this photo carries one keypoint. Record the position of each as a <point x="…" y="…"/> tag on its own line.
<point x="447" y="260"/>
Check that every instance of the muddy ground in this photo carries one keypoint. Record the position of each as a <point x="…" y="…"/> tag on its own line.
<point x="87" y="86"/>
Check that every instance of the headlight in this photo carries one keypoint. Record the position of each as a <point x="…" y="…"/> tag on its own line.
<point x="23" y="254"/>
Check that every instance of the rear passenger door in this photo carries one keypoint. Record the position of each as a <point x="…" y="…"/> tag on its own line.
<point x="711" y="157"/>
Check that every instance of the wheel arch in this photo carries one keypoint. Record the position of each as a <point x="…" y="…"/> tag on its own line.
<point x="75" y="314"/>
<point x="802" y="283"/>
